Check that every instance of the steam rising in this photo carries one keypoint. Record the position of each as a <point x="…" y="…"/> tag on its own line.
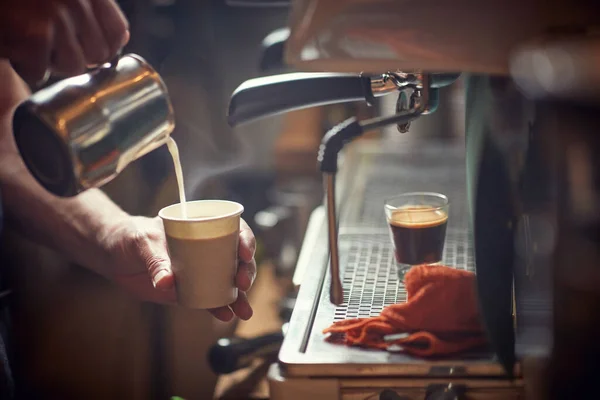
<point x="207" y="145"/>
<point x="203" y="157"/>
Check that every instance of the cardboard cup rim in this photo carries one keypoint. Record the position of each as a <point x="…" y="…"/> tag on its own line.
<point x="236" y="213"/>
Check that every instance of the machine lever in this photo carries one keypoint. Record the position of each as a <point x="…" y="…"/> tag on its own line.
<point x="270" y="95"/>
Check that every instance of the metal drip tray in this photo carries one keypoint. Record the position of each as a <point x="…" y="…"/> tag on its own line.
<point x="382" y="172"/>
<point x="369" y="275"/>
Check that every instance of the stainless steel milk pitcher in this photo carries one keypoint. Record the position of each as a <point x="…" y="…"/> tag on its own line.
<point x="81" y="132"/>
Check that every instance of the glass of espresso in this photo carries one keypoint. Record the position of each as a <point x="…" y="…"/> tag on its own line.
<point x="417" y="223"/>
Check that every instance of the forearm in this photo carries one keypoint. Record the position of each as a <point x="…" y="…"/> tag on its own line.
<point x="71" y="226"/>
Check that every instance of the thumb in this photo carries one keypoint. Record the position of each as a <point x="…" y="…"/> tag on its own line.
<point x="162" y="277"/>
<point x="158" y="264"/>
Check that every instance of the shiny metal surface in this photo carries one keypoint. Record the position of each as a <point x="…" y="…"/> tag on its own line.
<point x="420" y="104"/>
<point x="371" y="281"/>
<point x="371" y="172"/>
<point x="98" y="123"/>
<point x="383" y="84"/>
<point x="536" y="275"/>
<point x="271" y="95"/>
<point x="336" y="293"/>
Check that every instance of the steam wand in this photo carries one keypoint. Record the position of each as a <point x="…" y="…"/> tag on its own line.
<point x="333" y="142"/>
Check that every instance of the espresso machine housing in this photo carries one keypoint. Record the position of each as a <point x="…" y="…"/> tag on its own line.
<point x="524" y="189"/>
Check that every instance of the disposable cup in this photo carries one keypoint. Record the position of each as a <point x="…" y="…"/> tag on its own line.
<point x="204" y="251"/>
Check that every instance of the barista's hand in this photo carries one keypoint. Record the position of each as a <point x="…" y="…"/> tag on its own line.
<point x="59" y="36"/>
<point x="140" y="263"/>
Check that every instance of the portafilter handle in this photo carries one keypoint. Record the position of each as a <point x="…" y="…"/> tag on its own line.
<point x="270" y="95"/>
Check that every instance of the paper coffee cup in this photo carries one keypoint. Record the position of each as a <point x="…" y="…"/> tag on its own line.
<point x="204" y="251"/>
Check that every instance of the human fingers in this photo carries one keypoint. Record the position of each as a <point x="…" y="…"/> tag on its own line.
<point x="89" y="33"/>
<point x="241" y="307"/>
<point x="224" y="314"/>
<point x="247" y="245"/>
<point x="113" y="23"/>
<point x="67" y="57"/>
<point x="140" y="286"/>
<point x="245" y="275"/>
<point x="153" y="250"/>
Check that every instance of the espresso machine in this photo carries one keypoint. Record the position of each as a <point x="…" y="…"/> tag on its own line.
<point x="523" y="189"/>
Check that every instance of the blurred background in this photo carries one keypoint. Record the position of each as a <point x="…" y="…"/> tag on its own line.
<point x="86" y="339"/>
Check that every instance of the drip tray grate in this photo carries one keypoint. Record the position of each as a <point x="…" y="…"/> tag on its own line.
<point x="370" y="277"/>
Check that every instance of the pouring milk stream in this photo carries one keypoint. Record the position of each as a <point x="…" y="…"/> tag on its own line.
<point x="172" y="146"/>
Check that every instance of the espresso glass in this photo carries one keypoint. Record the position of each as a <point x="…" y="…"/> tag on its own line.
<point x="417" y="223"/>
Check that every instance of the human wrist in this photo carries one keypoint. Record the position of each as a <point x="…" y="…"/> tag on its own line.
<point x="90" y="217"/>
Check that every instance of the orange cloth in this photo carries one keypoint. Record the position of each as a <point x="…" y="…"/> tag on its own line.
<point x="439" y="318"/>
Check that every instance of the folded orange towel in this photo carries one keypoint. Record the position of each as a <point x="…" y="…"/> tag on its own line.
<point x="439" y="318"/>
